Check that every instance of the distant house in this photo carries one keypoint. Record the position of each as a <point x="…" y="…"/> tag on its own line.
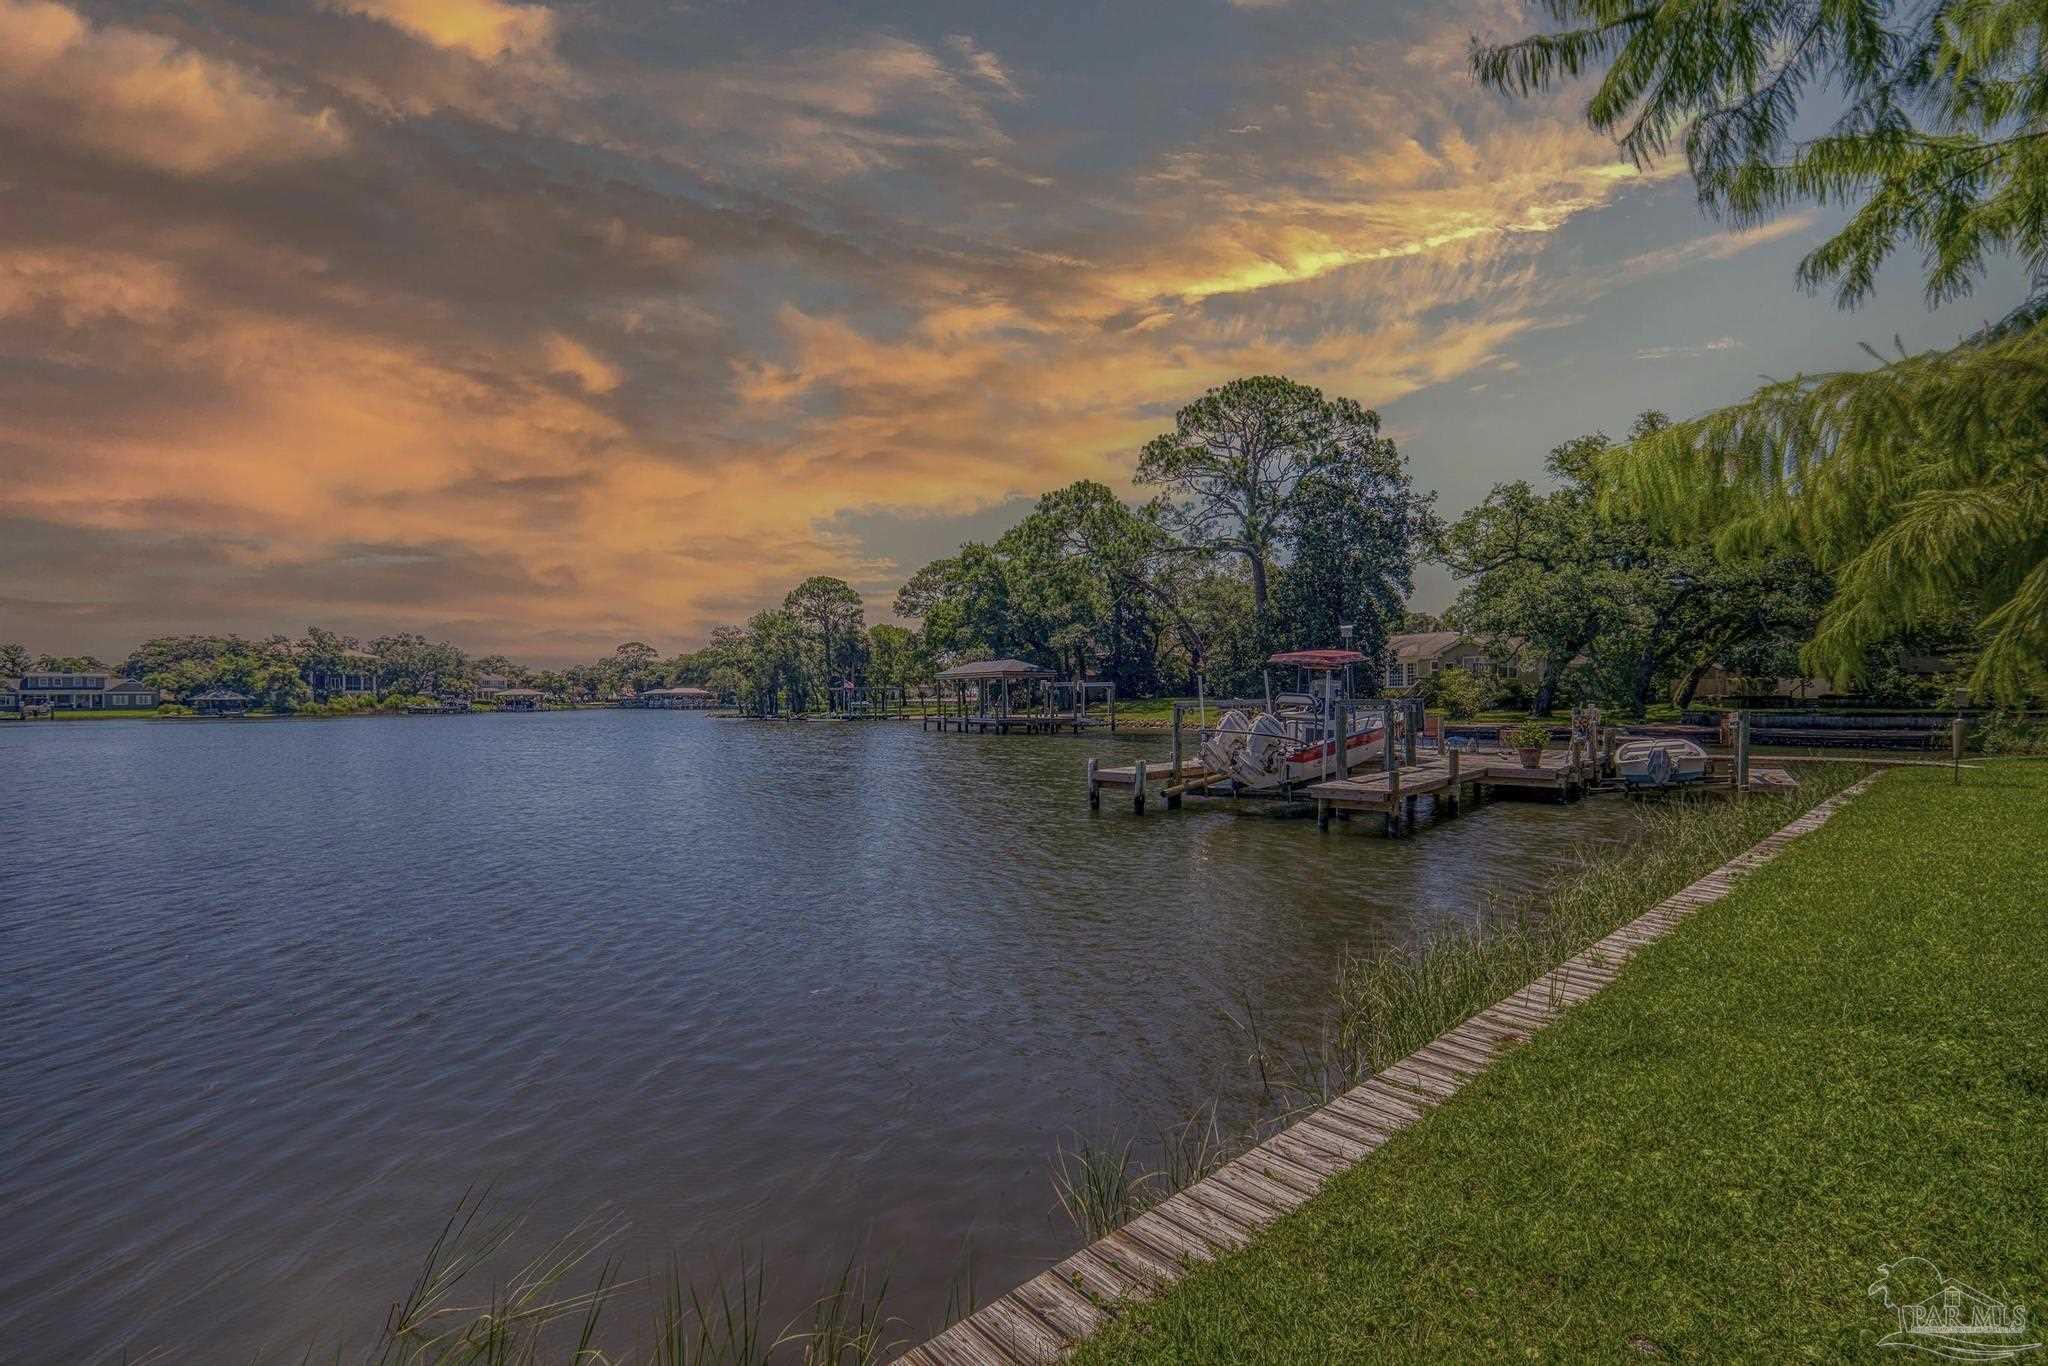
<point x="86" y="692"/>
<point x="1413" y="657"/>
<point x="218" y="702"/>
<point x="678" y="698"/>
<point x="519" y="699"/>
<point x="355" y="675"/>
<point x="490" y="685"/>
<point x="10" y="694"/>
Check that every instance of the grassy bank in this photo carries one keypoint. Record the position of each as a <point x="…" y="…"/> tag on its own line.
<point x="1838" y="1066"/>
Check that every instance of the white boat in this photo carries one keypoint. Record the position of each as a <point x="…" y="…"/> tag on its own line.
<point x="1660" y="763"/>
<point x="1220" y="747"/>
<point x="1292" y="743"/>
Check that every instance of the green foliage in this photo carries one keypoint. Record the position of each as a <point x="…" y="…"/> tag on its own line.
<point x="1552" y="576"/>
<point x="1919" y="486"/>
<point x="1937" y="137"/>
<point x="2011" y="732"/>
<point x="1270" y="470"/>
<point x="1531" y="734"/>
<point x="1454" y="692"/>
<point x="67" y="664"/>
<point x="831" y="611"/>
<point x="14" y="660"/>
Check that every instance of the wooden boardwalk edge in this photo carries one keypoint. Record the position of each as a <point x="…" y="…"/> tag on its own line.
<point x="1042" y="1319"/>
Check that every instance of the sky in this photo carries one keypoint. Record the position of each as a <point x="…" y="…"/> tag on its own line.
<point x="540" y="327"/>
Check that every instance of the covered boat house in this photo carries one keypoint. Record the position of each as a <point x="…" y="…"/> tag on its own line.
<point x="1006" y="696"/>
<point x="220" y="702"/>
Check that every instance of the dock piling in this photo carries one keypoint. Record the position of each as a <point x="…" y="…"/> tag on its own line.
<point x="1094" y="789"/>
<point x="1179" y="781"/>
<point x="1138" y="788"/>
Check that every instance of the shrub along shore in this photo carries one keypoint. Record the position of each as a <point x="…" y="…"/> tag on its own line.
<point x="1837" y="1067"/>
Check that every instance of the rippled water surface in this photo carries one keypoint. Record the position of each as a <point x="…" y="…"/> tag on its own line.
<point x="276" y="993"/>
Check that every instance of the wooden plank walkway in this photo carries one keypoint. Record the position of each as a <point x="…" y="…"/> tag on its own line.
<point x="1041" y="1319"/>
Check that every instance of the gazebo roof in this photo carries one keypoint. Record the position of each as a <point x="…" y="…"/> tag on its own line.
<point x="994" y="670"/>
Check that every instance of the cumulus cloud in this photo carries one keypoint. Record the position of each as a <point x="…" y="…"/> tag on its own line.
<point x="138" y="97"/>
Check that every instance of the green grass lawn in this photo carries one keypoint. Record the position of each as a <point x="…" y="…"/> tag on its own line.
<point x="1844" y="1063"/>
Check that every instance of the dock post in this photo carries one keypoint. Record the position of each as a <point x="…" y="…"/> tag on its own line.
<point x="1391" y="764"/>
<point x="1394" y="800"/>
<point x="1342" y="742"/>
<point x="1741" y="752"/>
<point x="1178" y="779"/>
<point x="1451" y="762"/>
<point x="1094" y="789"/>
<point x="1607" y="738"/>
<point x="1414" y="720"/>
<point x="1573" y="777"/>
<point x="1322" y="814"/>
<point x="1138" y="788"/>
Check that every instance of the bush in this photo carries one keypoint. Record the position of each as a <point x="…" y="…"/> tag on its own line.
<point x="1531" y="734"/>
<point x="173" y="709"/>
<point x="1454" y="692"/>
<point x="2012" y="733"/>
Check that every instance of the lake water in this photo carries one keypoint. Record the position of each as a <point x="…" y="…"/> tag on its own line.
<point x="276" y="993"/>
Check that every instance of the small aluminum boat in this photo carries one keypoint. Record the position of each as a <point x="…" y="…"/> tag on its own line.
<point x="1660" y="763"/>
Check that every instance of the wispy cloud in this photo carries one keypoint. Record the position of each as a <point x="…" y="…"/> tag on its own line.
<point x="1687" y="351"/>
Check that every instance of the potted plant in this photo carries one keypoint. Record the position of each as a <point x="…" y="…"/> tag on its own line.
<point x="1528" y="739"/>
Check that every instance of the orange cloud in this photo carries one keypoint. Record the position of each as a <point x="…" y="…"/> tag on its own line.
<point x="138" y="97"/>
<point x="484" y="29"/>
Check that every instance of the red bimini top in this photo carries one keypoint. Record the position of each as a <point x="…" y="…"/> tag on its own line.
<point x="1318" y="659"/>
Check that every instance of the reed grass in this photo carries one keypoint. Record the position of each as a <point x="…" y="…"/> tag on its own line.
<point x="1384" y="1005"/>
<point x="554" y="1308"/>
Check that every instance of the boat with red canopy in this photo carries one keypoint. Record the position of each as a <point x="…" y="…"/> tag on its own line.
<point x="1295" y="738"/>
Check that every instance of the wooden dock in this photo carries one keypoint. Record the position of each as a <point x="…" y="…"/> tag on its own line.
<point x="1016" y="723"/>
<point x="1451" y="777"/>
<point x="1040" y="1321"/>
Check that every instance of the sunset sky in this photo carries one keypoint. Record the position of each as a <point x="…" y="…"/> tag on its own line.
<point x="541" y="327"/>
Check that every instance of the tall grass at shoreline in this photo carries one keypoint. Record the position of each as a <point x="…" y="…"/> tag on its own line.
<point x="1385" y="1005"/>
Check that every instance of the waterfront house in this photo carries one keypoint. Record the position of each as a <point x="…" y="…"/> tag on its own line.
<point x="354" y="675"/>
<point x="66" y="691"/>
<point x="519" y="699"/>
<point x="1414" y="656"/>
<point x="490" y="686"/>
<point x="219" y="702"/>
<point x="10" y="694"/>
